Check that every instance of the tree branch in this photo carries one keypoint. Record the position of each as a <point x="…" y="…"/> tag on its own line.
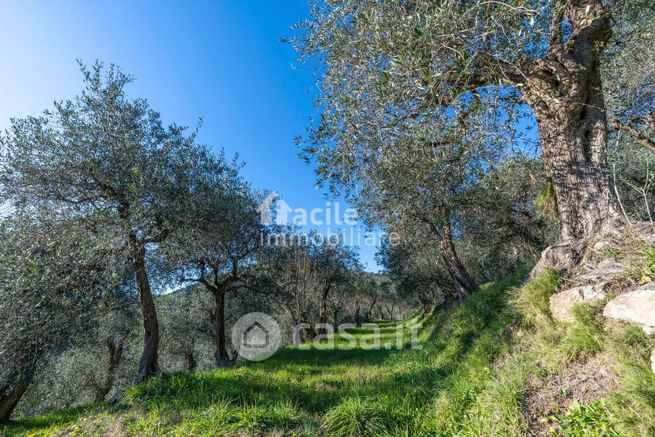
<point x="634" y="133"/>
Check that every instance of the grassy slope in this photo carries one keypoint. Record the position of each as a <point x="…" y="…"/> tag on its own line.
<point x="470" y="378"/>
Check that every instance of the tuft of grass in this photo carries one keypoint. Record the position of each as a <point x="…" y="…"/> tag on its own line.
<point x="533" y="299"/>
<point x="585" y="336"/>
<point x="648" y="269"/>
<point x="48" y="424"/>
<point x="635" y="337"/>
<point x="612" y="252"/>
<point x="633" y="404"/>
<point x="355" y="417"/>
<point x="498" y="409"/>
<point x="545" y="203"/>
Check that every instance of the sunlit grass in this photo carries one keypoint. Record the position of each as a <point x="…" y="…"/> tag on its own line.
<point x="468" y="379"/>
<point x="332" y="392"/>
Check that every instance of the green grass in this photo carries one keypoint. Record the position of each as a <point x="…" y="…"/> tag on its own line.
<point x="648" y="269"/>
<point x="591" y="420"/>
<point x="547" y="348"/>
<point x="533" y="299"/>
<point x="469" y="379"/>
<point x="586" y="336"/>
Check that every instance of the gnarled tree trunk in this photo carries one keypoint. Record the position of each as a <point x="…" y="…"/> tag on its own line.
<point x="462" y="280"/>
<point x="355" y="315"/>
<point x="564" y="90"/>
<point x="13" y="390"/>
<point x="369" y="311"/>
<point x="115" y="349"/>
<point x="335" y="318"/>
<point x="322" y="308"/>
<point x="148" y="365"/>
<point x="9" y="397"/>
<point x="191" y="363"/>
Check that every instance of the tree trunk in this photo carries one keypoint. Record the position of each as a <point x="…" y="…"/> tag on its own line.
<point x="115" y="356"/>
<point x="335" y="319"/>
<point x="221" y="356"/>
<point x="464" y="284"/>
<point x="322" y="309"/>
<point x="574" y="142"/>
<point x="13" y="390"/>
<point x="564" y="90"/>
<point x="148" y="365"/>
<point x="369" y="312"/>
<point x="9" y="398"/>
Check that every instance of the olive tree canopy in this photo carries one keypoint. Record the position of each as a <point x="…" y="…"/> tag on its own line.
<point x="396" y="72"/>
<point x="109" y="160"/>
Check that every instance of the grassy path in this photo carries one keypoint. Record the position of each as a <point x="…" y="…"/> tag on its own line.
<point x="431" y="391"/>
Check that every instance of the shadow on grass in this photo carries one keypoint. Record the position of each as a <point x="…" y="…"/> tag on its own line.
<point x="31" y="425"/>
<point x="305" y="384"/>
<point x="324" y="358"/>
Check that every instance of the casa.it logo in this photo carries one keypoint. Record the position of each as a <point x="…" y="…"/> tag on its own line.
<point x="256" y="336"/>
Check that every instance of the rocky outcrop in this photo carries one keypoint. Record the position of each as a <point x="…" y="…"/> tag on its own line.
<point x="593" y="280"/>
<point x="637" y="306"/>
<point x="643" y="231"/>
<point x="603" y="271"/>
<point x="561" y="304"/>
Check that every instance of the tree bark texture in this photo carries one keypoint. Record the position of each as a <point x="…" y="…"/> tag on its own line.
<point x="462" y="280"/>
<point x="564" y="90"/>
<point x="149" y="363"/>
<point x="115" y="349"/>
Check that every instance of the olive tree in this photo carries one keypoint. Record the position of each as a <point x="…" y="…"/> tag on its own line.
<point x="332" y="261"/>
<point x="389" y="68"/>
<point x="53" y="273"/>
<point x="109" y="159"/>
<point x="221" y="250"/>
<point x="416" y="270"/>
<point x="429" y="193"/>
<point x="303" y="271"/>
<point x="287" y="271"/>
<point x="507" y="218"/>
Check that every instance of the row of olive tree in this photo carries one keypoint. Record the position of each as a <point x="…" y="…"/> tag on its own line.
<point x="106" y="205"/>
<point x="504" y="220"/>
<point x="112" y="188"/>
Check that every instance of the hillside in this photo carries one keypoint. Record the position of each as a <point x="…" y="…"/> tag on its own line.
<point x="479" y="368"/>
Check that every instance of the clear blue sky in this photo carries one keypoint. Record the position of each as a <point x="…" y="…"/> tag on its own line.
<point x="219" y="60"/>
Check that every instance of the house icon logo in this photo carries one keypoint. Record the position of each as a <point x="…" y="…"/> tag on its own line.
<point x="274" y="210"/>
<point x="256" y="336"/>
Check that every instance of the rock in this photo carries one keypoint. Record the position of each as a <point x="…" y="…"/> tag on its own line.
<point x="559" y="257"/>
<point x="637" y="306"/>
<point x="603" y="271"/>
<point x="561" y="304"/>
<point x="643" y="231"/>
